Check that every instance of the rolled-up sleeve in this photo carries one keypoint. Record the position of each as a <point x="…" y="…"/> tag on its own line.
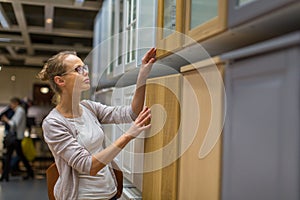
<point x="62" y="143"/>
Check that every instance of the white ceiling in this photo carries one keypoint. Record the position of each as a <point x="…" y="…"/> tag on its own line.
<point x="26" y="39"/>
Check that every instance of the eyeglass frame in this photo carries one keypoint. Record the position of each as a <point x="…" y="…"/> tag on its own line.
<point x="79" y="69"/>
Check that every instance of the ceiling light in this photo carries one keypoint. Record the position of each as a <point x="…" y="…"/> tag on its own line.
<point x="13" y="78"/>
<point x="49" y="20"/>
<point x="5" y="40"/>
<point x="44" y="90"/>
<point x="0" y="68"/>
<point x="79" y="2"/>
<point x="3" y="18"/>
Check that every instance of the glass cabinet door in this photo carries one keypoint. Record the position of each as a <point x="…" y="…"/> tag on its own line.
<point x="169" y="17"/>
<point x="130" y="31"/>
<point x="202" y="11"/>
<point x="119" y="38"/>
<point x="170" y="26"/>
<point x="204" y="18"/>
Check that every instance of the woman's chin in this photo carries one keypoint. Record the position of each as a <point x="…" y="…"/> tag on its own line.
<point x="86" y="87"/>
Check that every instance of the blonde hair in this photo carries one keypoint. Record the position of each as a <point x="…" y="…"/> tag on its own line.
<point x="55" y="66"/>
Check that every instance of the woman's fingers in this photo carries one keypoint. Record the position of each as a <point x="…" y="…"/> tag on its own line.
<point x="143" y="114"/>
<point x="149" y="56"/>
<point x="145" y="120"/>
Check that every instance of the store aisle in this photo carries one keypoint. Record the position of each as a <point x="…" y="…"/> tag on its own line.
<point x="17" y="188"/>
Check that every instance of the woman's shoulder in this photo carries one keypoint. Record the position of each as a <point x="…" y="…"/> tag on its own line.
<point x="92" y="105"/>
<point x="54" y="117"/>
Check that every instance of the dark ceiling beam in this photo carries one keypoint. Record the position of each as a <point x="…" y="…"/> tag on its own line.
<point x="55" y="31"/>
<point x="88" y="5"/>
<point x="62" y="32"/>
<point x="4" y="21"/>
<point x="19" y="13"/>
<point x="77" y="48"/>
<point x="49" y="16"/>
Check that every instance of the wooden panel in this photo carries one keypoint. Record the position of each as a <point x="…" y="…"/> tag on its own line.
<point x="200" y="165"/>
<point x="166" y="45"/>
<point x="163" y="95"/>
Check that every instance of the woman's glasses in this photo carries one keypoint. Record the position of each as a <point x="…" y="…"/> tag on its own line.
<point x="79" y="70"/>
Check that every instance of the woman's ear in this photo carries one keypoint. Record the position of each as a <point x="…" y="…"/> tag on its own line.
<point x="59" y="81"/>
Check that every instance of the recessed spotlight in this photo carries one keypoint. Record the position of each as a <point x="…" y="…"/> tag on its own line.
<point x="44" y="90"/>
<point x="13" y="78"/>
<point x="49" y="20"/>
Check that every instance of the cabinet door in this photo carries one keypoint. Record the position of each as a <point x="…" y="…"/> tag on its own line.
<point x="204" y="18"/>
<point x="161" y="143"/>
<point x="95" y="71"/>
<point x="202" y="124"/>
<point x="133" y="152"/>
<point x="117" y="129"/>
<point x="170" y="26"/>
<point x="105" y="97"/>
<point x="119" y="38"/>
<point x="146" y="23"/>
<point x="130" y="10"/>
<point x="261" y="140"/>
<point x="111" y="39"/>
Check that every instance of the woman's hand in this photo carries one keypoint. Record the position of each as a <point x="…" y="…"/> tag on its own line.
<point x="147" y="62"/>
<point x="140" y="124"/>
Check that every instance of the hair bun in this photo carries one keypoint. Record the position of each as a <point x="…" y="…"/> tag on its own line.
<point x="43" y="75"/>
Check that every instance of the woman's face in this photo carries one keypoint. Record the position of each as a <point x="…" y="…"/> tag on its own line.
<point x="76" y="75"/>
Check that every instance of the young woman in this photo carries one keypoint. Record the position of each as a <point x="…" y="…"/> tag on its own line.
<point x="74" y="133"/>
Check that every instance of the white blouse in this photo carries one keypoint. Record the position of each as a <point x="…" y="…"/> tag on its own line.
<point x="91" y="136"/>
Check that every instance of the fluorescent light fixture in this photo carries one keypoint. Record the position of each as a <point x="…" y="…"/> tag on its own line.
<point x="5" y="40"/>
<point x="78" y="2"/>
<point x="3" y="18"/>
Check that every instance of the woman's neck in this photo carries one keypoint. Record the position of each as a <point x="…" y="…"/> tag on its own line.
<point x="69" y="105"/>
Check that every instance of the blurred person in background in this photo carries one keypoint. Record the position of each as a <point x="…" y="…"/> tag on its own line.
<point x="17" y="126"/>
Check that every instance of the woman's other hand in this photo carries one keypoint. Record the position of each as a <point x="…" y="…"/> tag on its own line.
<point x="140" y="124"/>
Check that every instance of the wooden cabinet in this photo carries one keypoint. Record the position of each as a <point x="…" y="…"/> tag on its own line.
<point x="182" y="23"/>
<point x="202" y="124"/>
<point x="161" y="143"/>
<point x="170" y="26"/>
<point x="261" y="136"/>
<point x="204" y="18"/>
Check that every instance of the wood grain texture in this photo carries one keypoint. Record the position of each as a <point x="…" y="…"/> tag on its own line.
<point x="163" y="92"/>
<point x="200" y="178"/>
